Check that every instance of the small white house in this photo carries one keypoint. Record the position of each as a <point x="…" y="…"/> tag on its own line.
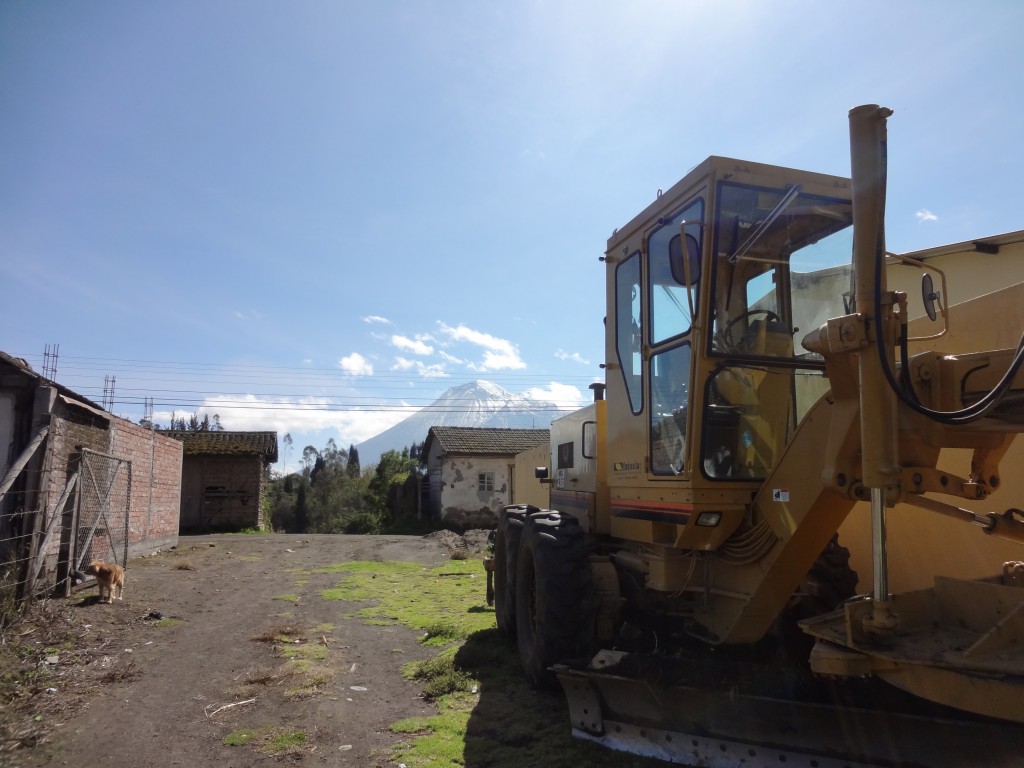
<point x="471" y="472"/>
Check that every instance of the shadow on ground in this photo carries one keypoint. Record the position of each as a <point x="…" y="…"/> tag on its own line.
<point x="515" y="725"/>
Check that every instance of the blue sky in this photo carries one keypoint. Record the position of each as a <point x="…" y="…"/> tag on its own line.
<point x="330" y="212"/>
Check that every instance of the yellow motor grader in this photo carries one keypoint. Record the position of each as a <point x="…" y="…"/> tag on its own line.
<point x="688" y="587"/>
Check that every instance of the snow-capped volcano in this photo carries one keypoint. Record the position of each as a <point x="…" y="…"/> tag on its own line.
<point x="476" y="404"/>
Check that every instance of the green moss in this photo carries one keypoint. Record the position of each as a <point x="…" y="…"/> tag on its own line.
<point x="447" y="602"/>
<point x="304" y="651"/>
<point x="240" y="737"/>
<point x="284" y="742"/>
<point x="269" y="740"/>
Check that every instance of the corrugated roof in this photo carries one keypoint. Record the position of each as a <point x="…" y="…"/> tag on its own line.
<point x="479" y="441"/>
<point x="222" y="443"/>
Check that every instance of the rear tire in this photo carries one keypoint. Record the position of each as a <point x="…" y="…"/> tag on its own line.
<point x="506" y="552"/>
<point x="556" y="603"/>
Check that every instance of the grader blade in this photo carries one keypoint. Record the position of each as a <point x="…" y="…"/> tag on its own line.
<point x="630" y="704"/>
<point x="959" y="644"/>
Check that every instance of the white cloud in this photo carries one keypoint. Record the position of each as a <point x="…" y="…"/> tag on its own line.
<point x="499" y="354"/>
<point x="563" y="395"/>
<point x="310" y="420"/>
<point x="435" y="371"/>
<point x="356" y="364"/>
<point x="417" y="346"/>
<point x="575" y="357"/>
<point x="925" y="215"/>
<point x="376" y="319"/>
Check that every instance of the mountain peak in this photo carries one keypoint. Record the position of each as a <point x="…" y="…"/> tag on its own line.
<point x="478" y="403"/>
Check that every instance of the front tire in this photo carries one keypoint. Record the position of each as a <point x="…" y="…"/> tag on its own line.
<point x="556" y="603"/>
<point x="506" y="553"/>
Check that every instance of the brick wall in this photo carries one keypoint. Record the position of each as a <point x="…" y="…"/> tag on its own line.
<point x="156" y="462"/>
<point x="156" y="485"/>
<point x="222" y="493"/>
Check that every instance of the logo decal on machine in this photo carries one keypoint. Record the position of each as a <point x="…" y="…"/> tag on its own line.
<point x="626" y="466"/>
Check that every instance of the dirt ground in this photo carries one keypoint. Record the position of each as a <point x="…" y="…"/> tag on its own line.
<point x="148" y="680"/>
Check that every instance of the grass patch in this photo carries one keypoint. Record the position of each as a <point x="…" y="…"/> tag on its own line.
<point x="268" y="740"/>
<point x="440" y="676"/>
<point x="185" y="566"/>
<point x="305" y="677"/>
<point x="290" y="597"/>
<point x="504" y="717"/>
<point x="486" y="711"/>
<point x="310" y="651"/>
<point x="241" y="737"/>
<point x="307" y="667"/>
<point x="287" y="741"/>
<point x="446" y="603"/>
<point x="168" y="622"/>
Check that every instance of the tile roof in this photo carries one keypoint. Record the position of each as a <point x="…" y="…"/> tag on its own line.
<point x="485" y="441"/>
<point x="222" y="443"/>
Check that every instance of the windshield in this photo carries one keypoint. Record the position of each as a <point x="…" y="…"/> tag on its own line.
<point x="782" y="269"/>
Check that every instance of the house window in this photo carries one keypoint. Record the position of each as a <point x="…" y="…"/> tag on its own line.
<point x="485" y="481"/>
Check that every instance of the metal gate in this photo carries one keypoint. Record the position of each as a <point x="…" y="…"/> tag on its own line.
<point x="104" y="499"/>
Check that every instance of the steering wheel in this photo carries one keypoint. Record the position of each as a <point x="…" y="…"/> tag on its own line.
<point x="769" y="316"/>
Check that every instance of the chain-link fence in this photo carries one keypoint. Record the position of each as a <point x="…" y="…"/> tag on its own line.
<point x="101" y="526"/>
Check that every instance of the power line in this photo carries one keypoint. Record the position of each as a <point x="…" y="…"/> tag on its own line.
<point x="317" y="390"/>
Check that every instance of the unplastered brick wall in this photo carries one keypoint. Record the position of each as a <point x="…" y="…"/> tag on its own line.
<point x="156" y="485"/>
<point x="227" y="493"/>
<point x="68" y="434"/>
<point x="155" y="471"/>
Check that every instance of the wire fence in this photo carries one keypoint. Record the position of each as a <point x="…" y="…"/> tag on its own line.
<point x="52" y="527"/>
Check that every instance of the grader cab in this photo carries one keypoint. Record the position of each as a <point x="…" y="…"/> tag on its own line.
<point x="688" y="587"/>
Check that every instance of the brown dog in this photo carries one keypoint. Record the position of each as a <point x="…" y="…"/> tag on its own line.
<point x="107" y="578"/>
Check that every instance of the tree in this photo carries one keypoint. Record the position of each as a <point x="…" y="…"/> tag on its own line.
<point x="309" y="455"/>
<point x="287" y="440"/>
<point x="192" y="423"/>
<point x="392" y="471"/>
<point x="318" y="466"/>
<point x="301" y="509"/>
<point x="352" y="470"/>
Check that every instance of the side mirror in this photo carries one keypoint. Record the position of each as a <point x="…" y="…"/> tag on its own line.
<point x="541" y="473"/>
<point x="685" y="273"/>
<point x="929" y="296"/>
